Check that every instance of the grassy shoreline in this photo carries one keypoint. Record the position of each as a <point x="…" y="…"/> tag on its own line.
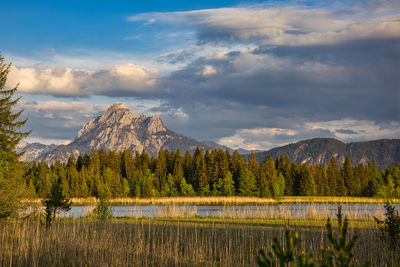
<point x="262" y="222"/>
<point x="229" y="200"/>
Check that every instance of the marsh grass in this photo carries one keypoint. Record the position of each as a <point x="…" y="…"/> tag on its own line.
<point x="158" y="243"/>
<point x="365" y="212"/>
<point x="235" y="200"/>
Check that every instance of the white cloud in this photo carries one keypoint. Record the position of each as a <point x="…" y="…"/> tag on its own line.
<point x="256" y="139"/>
<point x="282" y="25"/>
<point x="208" y="70"/>
<point x="123" y="79"/>
<point x="348" y="129"/>
<point x="52" y="105"/>
<point x="179" y="114"/>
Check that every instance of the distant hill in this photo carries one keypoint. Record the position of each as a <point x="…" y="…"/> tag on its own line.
<point x="117" y="129"/>
<point x="384" y="152"/>
<point x="33" y="150"/>
<point x="245" y="151"/>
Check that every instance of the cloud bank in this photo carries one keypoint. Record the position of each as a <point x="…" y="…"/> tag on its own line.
<point x="256" y="76"/>
<point x="119" y="80"/>
<point x="290" y="25"/>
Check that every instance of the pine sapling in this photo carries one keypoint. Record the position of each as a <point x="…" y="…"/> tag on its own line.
<point x="286" y="255"/>
<point x="342" y="245"/>
<point x="390" y="227"/>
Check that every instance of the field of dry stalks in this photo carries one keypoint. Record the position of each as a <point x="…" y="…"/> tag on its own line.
<point x="159" y="243"/>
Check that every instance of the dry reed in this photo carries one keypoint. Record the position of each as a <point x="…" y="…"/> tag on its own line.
<point x="233" y="200"/>
<point x="152" y="243"/>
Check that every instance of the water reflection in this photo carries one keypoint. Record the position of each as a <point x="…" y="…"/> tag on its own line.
<point x="287" y="211"/>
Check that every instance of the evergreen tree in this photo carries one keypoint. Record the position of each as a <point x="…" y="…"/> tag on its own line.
<point x="86" y="161"/>
<point x="180" y="181"/>
<point x="43" y="181"/>
<point x="212" y="167"/>
<point x="10" y="124"/>
<point x="284" y="166"/>
<point x="278" y="186"/>
<point x="95" y="165"/>
<point x="55" y="202"/>
<point x="268" y="177"/>
<point x="112" y="181"/>
<point x="341" y="187"/>
<point x="375" y="178"/>
<point x="333" y="175"/>
<point x="128" y="168"/>
<point x="321" y="181"/>
<point x="247" y="183"/>
<point x="186" y="190"/>
<point x="222" y="164"/>
<point x="236" y="165"/>
<point x="114" y="160"/>
<point x="200" y="177"/>
<point x="143" y="161"/>
<point x="147" y="188"/>
<point x="74" y="180"/>
<point x="169" y="189"/>
<point x="307" y="183"/>
<point x="187" y="166"/>
<point x="395" y="172"/>
<point x="351" y="181"/>
<point x="254" y="167"/>
<point x="83" y="189"/>
<point x="295" y="173"/>
<point x="160" y="173"/>
<point x="12" y="186"/>
<point x="225" y="186"/>
<point x="79" y="163"/>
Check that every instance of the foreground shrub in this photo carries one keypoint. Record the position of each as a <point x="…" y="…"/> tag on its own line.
<point x="390" y="226"/>
<point x="102" y="211"/>
<point x="56" y="202"/>
<point x="338" y="254"/>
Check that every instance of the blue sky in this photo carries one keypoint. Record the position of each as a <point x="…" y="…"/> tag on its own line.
<point x="250" y="74"/>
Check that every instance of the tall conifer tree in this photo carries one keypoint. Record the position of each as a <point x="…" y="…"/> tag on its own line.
<point x="268" y="177"/>
<point x="284" y="165"/>
<point x="351" y="181"/>
<point x="333" y="175"/>
<point x="12" y="186"/>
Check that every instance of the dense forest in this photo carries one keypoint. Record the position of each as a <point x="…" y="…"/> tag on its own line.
<point x="210" y="173"/>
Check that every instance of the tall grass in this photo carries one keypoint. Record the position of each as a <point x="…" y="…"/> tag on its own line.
<point x="364" y="212"/>
<point x="234" y="200"/>
<point x="155" y="243"/>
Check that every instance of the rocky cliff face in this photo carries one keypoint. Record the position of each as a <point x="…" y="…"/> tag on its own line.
<point x="117" y="129"/>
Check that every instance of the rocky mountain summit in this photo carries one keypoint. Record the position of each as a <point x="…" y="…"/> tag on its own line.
<point x="119" y="128"/>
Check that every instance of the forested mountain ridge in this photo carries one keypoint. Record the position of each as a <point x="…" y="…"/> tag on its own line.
<point x="319" y="151"/>
<point x="118" y="129"/>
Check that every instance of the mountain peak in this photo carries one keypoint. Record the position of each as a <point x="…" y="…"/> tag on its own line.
<point x="118" y="128"/>
<point x="115" y="106"/>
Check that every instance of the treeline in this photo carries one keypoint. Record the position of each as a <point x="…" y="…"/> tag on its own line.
<point x="210" y="173"/>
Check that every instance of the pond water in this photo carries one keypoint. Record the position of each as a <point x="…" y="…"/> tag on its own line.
<point x="283" y="211"/>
